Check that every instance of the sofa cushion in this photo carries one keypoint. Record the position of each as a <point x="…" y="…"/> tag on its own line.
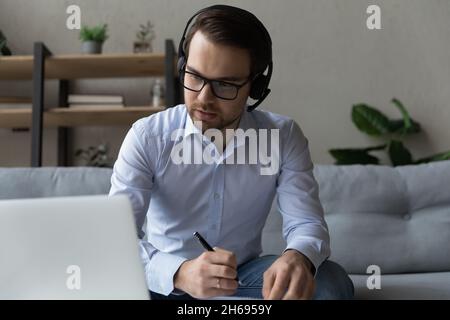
<point x="53" y="182"/>
<point x="405" y="286"/>
<point x="396" y="218"/>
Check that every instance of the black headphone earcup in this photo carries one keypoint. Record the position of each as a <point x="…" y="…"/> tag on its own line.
<point x="259" y="86"/>
<point x="181" y="63"/>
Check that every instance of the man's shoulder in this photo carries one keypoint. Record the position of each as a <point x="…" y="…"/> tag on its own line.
<point x="270" y="120"/>
<point x="163" y="123"/>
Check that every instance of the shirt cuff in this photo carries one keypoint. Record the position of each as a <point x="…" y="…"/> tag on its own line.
<point x="161" y="271"/>
<point x="309" y="253"/>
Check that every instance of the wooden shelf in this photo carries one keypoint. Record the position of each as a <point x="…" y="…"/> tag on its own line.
<point x="16" y="68"/>
<point x="43" y="65"/>
<point x="67" y="117"/>
<point x="85" y="66"/>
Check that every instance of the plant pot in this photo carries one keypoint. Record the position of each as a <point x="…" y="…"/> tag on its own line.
<point x="142" y="46"/>
<point x="91" y="47"/>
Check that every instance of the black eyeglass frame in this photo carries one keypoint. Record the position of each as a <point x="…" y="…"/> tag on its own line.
<point x="211" y="81"/>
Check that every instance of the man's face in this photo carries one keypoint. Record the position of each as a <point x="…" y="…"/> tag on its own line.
<point x="216" y="62"/>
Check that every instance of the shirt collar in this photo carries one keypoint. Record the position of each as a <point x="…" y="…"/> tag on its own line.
<point x="190" y="128"/>
<point x="244" y="123"/>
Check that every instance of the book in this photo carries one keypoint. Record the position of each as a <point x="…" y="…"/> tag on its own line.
<point x="15" y="105"/>
<point x="15" y="102"/>
<point x="95" y="106"/>
<point x="94" y="99"/>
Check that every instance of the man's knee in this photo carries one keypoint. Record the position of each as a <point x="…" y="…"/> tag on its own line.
<point x="333" y="282"/>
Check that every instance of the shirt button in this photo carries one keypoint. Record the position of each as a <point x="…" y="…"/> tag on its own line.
<point x="216" y="196"/>
<point x="407" y="217"/>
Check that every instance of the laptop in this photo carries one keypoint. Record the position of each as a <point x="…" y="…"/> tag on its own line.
<point x="83" y="247"/>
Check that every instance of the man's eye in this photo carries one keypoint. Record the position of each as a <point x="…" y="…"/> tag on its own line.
<point x="225" y="85"/>
<point x="194" y="77"/>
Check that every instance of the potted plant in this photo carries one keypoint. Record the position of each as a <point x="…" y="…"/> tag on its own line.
<point x="4" y="50"/>
<point x="94" y="156"/>
<point x="375" y="123"/>
<point x="144" y="36"/>
<point x="93" y="38"/>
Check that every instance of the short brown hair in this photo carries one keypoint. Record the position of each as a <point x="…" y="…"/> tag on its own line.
<point x="223" y="27"/>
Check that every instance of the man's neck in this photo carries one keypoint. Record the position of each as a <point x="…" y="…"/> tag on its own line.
<point x="226" y="137"/>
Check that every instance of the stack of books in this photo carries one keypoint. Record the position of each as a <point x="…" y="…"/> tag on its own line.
<point x="15" y="102"/>
<point x="95" y="101"/>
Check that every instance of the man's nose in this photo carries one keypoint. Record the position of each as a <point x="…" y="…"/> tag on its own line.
<point x="206" y="94"/>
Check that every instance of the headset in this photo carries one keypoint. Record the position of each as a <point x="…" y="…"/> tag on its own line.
<point x="259" y="87"/>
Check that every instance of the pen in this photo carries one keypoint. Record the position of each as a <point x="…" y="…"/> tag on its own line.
<point x="203" y="241"/>
<point x="208" y="247"/>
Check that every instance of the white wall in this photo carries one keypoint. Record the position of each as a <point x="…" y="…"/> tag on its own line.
<point x="325" y="60"/>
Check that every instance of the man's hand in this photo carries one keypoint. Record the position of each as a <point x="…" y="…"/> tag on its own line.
<point x="211" y="274"/>
<point x="289" y="277"/>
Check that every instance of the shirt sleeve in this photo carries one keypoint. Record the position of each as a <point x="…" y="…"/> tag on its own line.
<point x="304" y="226"/>
<point x="133" y="175"/>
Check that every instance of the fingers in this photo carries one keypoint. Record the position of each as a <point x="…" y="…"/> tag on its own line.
<point x="220" y="292"/>
<point x="221" y="256"/>
<point x="310" y="290"/>
<point x="269" y="279"/>
<point x="224" y="284"/>
<point x="221" y="271"/>
<point x="280" y="286"/>
<point x="296" y="288"/>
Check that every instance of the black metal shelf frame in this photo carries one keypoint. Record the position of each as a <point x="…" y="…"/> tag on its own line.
<point x="41" y="53"/>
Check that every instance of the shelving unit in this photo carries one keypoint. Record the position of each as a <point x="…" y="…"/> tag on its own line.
<point x="66" y="117"/>
<point x="64" y="68"/>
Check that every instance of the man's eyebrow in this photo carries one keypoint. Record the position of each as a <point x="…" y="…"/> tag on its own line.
<point x="190" y="69"/>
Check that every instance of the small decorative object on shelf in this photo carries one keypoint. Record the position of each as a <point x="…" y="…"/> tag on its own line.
<point x="4" y="50"/>
<point x="94" y="156"/>
<point x="157" y="94"/>
<point x="93" y="38"/>
<point x="144" y="36"/>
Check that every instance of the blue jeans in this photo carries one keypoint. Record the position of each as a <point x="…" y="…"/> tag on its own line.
<point x="332" y="282"/>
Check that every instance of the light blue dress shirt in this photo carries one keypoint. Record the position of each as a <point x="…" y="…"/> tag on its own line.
<point x="227" y="203"/>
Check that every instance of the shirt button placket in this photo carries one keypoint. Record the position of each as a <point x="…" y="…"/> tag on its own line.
<point x="217" y="204"/>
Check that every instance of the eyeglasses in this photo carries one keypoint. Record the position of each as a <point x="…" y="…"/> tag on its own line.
<point x="221" y="89"/>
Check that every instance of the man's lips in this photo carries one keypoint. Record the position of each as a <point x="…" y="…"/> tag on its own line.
<point x="204" y="115"/>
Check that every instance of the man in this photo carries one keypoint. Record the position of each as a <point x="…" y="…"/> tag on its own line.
<point x="222" y="62"/>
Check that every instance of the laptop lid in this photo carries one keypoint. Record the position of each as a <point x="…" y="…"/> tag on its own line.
<point x="70" y="248"/>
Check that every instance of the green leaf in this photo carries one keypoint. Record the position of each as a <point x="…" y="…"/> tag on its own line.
<point x="405" y="114"/>
<point x="437" y="157"/>
<point x="4" y="50"/>
<point x="397" y="126"/>
<point x="369" y="120"/>
<point x="408" y="124"/>
<point x="355" y="156"/>
<point x="398" y="154"/>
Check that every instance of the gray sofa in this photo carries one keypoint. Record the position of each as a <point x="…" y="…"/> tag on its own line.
<point x="397" y="219"/>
